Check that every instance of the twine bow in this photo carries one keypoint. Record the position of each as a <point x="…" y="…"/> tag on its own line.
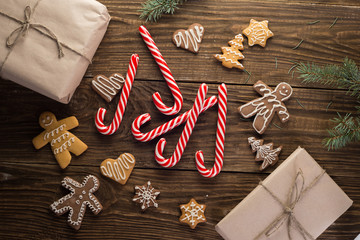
<point x="287" y="216"/>
<point x="23" y="29"/>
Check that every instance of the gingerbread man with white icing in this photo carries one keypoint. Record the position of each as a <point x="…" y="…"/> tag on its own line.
<point x="265" y="107"/>
<point x="61" y="140"/>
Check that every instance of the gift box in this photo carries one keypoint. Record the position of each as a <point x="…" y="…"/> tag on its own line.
<point x="47" y="45"/>
<point x="298" y="200"/>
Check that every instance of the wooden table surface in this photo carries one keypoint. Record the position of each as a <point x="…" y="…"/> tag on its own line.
<point x="30" y="179"/>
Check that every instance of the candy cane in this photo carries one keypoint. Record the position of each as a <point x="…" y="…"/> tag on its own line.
<point x="166" y="127"/>
<point x="186" y="133"/>
<point x="164" y="68"/>
<point x="99" y="120"/>
<point x="220" y="138"/>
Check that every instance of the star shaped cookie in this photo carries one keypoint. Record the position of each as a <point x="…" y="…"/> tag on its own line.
<point x="258" y="32"/>
<point x="192" y="213"/>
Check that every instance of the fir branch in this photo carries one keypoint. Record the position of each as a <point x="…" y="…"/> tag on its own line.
<point x="314" y="22"/>
<point x="345" y="76"/>
<point x="334" y="22"/>
<point x="347" y="130"/>
<point x="249" y="75"/>
<point x="152" y="10"/>
<point x="298" y="45"/>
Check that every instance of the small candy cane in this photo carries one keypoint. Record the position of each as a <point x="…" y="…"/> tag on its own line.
<point x="99" y="120"/>
<point x="166" y="127"/>
<point x="220" y="138"/>
<point x="164" y="68"/>
<point x="186" y="133"/>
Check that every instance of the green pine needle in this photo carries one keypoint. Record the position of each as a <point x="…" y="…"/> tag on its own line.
<point x="152" y="10"/>
<point x="346" y="76"/>
<point x="347" y="128"/>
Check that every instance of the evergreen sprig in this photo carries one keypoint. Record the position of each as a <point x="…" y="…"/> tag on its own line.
<point x="347" y="128"/>
<point x="152" y="10"/>
<point x="346" y="76"/>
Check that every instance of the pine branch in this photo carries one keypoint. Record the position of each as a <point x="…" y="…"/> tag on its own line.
<point x="345" y="76"/>
<point x="347" y="130"/>
<point x="152" y="10"/>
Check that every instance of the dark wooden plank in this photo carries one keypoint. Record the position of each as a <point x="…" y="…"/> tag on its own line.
<point x="222" y="20"/>
<point x="307" y="127"/>
<point x="25" y="200"/>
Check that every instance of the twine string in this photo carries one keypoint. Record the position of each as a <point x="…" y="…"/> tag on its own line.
<point x="295" y="194"/>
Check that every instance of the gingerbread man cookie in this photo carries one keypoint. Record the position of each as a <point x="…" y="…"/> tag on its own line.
<point x="118" y="169"/>
<point x="76" y="201"/>
<point x="192" y="213"/>
<point x="146" y="195"/>
<point x="258" y="32"/>
<point x="189" y="39"/>
<point x="107" y="88"/>
<point x="265" y="107"/>
<point x="61" y="140"/>
<point x="264" y="152"/>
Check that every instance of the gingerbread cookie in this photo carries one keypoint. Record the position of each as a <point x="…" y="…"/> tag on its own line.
<point x="189" y="39"/>
<point x="146" y="195"/>
<point x="76" y="201"/>
<point x="61" y="140"/>
<point x="231" y="55"/>
<point x="264" y="152"/>
<point x="258" y="32"/>
<point x="192" y="213"/>
<point x="107" y="88"/>
<point x="265" y="107"/>
<point x="118" y="169"/>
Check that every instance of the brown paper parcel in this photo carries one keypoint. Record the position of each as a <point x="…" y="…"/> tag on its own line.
<point x="33" y="61"/>
<point x="315" y="211"/>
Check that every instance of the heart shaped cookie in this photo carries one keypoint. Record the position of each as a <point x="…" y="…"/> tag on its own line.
<point x="118" y="169"/>
<point x="189" y="39"/>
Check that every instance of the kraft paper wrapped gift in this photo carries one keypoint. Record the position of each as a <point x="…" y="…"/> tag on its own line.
<point x="297" y="201"/>
<point x="47" y="45"/>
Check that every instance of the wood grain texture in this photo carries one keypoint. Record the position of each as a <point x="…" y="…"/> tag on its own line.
<point x="307" y="127"/>
<point x="222" y="20"/>
<point x="30" y="179"/>
<point x="25" y="204"/>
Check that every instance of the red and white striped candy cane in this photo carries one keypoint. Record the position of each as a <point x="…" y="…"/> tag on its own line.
<point x="220" y="138"/>
<point x="185" y="135"/>
<point x="99" y="120"/>
<point x="166" y="127"/>
<point x="164" y="68"/>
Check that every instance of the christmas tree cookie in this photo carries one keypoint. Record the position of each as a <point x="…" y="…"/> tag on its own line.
<point x="231" y="55"/>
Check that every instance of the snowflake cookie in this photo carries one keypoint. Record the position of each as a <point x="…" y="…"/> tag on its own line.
<point x="146" y="196"/>
<point x="76" y="201"/>
<point x="192" y="213"/>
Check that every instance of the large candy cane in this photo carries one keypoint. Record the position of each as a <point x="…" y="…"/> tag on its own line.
<point x="99" y="120"/>
<point x="186" y="133"/>
<point x="167" y="75"/>
<point x="220" y="138"/>
<point x="166" y="127"/>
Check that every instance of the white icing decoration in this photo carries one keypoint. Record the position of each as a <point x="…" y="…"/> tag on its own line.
<point x="264" y="151"/>
<point x="146" y="195"/>
<point x="58" y="139"/>
<point x="190" y="36"/>
<point x="262" y="111"/>
<point x="258" y="31"/>
<point x="55" y="131"/>
<point x="228" y="59"/>
<point x="64" y="146"/>
<point x="48" y="124"/>
<point x="117" y="169"/>
<point x="111" y="89"/>
<point x="93" y="203"/>
<point x="193" y="213"/>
